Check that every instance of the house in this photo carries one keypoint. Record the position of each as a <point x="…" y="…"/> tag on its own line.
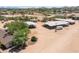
<point x="30" y="24"/>
<point x="5" y="40"/>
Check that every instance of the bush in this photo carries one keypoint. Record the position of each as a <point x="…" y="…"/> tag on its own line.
<point x="33" y="39"/>
<point x="2" y="17"/>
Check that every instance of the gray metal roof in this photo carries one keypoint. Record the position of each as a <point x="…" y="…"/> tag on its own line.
<point x="55" y="23"/>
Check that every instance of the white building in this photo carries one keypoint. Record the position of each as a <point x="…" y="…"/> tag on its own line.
<point x="53" y="24"/>
<point x="30" y="24"/>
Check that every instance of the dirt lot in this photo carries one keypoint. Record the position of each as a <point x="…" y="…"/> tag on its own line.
<point x="66" y="40"/>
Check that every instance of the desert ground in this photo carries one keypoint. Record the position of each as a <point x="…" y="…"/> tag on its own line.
<point x="66" y="40"/>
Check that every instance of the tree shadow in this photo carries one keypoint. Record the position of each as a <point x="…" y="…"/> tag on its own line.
<point x="17" y="49"/>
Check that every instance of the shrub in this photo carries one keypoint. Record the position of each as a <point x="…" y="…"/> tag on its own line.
<point x="2" y="17"/>
<point x="33" y="39"/>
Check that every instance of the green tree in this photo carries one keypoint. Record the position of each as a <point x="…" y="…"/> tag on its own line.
<point x="20" y="32"/>
<point x="20" y="37"/>
<point x="14" y="26"/>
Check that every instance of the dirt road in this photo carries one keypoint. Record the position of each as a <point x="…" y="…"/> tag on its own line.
<point x="66" y="40"/>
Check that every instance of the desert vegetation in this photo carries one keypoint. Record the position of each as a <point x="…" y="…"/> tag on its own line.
<point x="20" y="31"/>
<point x="55" y="12"/>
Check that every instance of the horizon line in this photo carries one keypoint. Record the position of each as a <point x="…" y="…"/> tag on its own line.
<point x="34" y="6"/>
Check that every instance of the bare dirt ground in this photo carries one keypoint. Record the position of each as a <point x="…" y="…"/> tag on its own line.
<point x="66" y="40"/>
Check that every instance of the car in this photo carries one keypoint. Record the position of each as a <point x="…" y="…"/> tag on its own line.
<point x="59" y="27"/>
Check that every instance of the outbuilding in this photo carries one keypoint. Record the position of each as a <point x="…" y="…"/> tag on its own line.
<point x="53" y="24"/>
<point x="30" y="24"/>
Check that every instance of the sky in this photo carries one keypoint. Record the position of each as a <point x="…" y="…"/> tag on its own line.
<point x="53" y="3"/>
